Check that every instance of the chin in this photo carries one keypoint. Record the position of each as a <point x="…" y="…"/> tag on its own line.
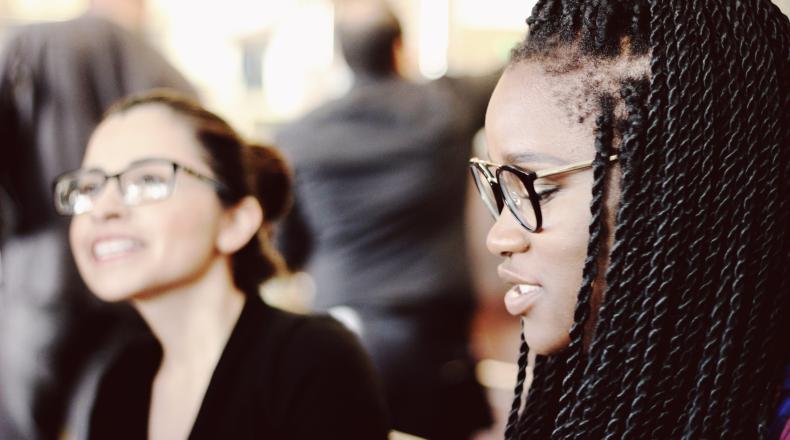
<point x="112" y="283"/>
<point x="112" y="293"/>
<point x="112" y="286"/>
<point x="546" y="345"/>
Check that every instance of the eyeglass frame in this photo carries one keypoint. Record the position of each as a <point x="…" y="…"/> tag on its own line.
<point x="528" y="178"/>
<point x="219" y="187"/>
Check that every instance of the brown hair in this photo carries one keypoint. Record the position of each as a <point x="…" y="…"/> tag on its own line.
<point x="244" y="169"/>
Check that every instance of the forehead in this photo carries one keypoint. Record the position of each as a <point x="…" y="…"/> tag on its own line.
<point x="525" y="117"/>
<point x="142" y="132"/>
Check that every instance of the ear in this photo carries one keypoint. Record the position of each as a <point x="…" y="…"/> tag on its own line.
<point x="240" y="223"/>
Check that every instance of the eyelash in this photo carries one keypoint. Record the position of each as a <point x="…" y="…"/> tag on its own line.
<point x="547" y="194"/>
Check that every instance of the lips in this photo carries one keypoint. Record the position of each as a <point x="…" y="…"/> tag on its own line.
<point x="521" y="298"/>
<point x="523" y="295"/>
<point x="114" y="248"/>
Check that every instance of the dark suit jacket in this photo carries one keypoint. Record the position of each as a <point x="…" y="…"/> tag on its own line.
<point x="381" y="179"/>
<point x="56" y="81"/>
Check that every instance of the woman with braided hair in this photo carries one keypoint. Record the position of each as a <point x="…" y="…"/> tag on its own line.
<point x="640" y="161"/>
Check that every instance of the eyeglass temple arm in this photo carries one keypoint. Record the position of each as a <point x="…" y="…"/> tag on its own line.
<point x="568" y="168"/>
<point x="194" y="173"/>
<point x="214" y="182"/>
<point x="477" y="161"/>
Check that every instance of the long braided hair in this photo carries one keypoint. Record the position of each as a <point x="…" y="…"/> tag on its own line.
<point x="688" y="342"/>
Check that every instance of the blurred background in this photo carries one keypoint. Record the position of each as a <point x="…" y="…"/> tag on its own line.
<point x="264" y="63"/>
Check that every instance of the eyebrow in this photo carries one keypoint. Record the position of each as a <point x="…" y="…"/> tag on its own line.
<point x="533" y="157"/>
<point x="107" y="173"/>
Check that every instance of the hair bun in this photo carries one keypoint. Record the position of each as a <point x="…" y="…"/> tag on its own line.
<point x="269" y="177"/>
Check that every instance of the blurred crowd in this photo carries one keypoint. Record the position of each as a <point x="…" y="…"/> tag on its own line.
<point x="378" y="221"/>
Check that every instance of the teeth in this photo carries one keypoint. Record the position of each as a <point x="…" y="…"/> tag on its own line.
<point x="110" y="248"/>
<point x="527" y="288"/>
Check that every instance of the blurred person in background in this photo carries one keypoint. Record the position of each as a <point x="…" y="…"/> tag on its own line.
<point x="379" y="222"/>
<point x="56" y="80"/>
<point x="172" y="211"/>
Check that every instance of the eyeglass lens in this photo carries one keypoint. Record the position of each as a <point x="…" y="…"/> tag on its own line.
<point x="150" y="182"/>
<point x="486" y="191"/>
<point x="517" y="197"/>
<point x="514" y="193"/>
<point x="145" y="182"/>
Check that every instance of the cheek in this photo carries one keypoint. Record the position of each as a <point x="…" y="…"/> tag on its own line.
<point x="107" y="283"/>
<point x="187" y="237"/>
<point x="560" y="250"/>
<point x="566" y="235"/>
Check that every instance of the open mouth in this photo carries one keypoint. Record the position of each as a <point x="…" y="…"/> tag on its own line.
<point x="525" y="289"/>
<point x="115" y="248"/>
<point x="522" y="297"/>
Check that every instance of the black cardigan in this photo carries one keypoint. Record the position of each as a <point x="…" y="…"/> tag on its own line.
<point x="280" y="376"/>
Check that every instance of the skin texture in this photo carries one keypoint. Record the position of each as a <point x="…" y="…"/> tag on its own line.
<point x="527" y="126"/>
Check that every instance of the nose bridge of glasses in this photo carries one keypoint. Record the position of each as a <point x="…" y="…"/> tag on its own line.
<point x="115" y="195"/>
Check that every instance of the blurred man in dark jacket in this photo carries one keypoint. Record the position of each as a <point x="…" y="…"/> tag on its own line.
<point x="381" y="178"/>
<point x="56" y="80"/>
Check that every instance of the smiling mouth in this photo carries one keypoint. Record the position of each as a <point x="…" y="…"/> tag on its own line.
<point x="521" y="298"/>
<point x="113" y="249"/>
<point x="525" y="289"/>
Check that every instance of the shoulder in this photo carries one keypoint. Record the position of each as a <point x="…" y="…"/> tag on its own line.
<point x="42" y="47"/>
<point x="291" y="336"/>
<point x="321" y="374"/>
<point x="321" y="355"/>
<point x="306" y="338"/>
<point x="300" y="128"/>
<point x="81" y="33"/>
<point x="324" y="335"/>
<point x="23" y="44"/>
<point x="314" y="136"/>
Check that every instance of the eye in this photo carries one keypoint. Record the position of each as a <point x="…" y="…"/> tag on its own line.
<point x="89" y="184"/>
<point x="87" y="187"/>
<point x="545" y="190"/>
<point x="547" y="194"/>
<point x="151" y="179"/>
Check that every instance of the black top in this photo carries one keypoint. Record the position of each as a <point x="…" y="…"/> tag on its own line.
<point x="281" y="376"/>
<point x="381" y="178"/>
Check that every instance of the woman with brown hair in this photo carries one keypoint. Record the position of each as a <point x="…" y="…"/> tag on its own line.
<point x="171" y="211"/>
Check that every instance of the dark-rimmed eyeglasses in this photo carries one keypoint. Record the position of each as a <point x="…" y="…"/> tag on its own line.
<point x="143" y="181"/>
<point x="519" y="190"/>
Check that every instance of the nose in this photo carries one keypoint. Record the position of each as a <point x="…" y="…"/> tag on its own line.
<point x="108" y="203"/>
<point x="507" y="236"/>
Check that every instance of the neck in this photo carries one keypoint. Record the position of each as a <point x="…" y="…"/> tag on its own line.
<point x="193" y="322"/>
